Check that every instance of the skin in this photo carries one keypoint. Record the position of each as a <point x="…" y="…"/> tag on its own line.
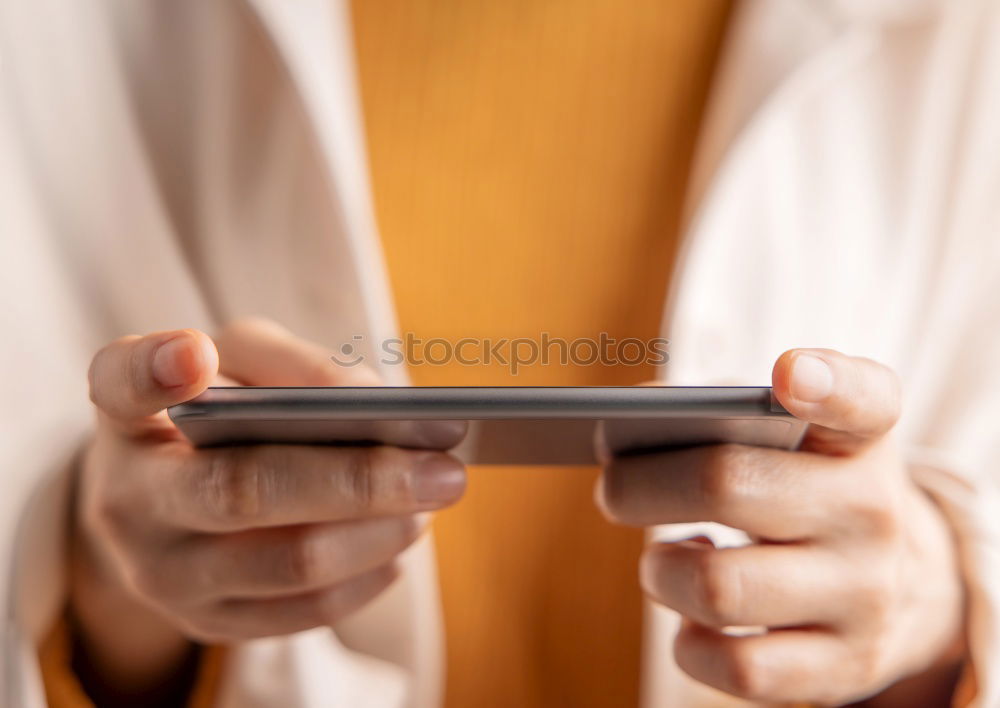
<point x="851" y="575"/>
<point x="175" y="546"/>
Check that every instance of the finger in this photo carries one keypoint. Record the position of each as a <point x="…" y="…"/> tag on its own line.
<point x="240" y="620"/>
<point x="134" y="378"/>
<point x="260" y="352"/>
<point x="759" y="490"/>
<point x="789" y="665"/>
<point x="239" y="488"/>
<point x="774" y="585"/>
<point x="282" y="561"/>
<point x="849" y="401"/>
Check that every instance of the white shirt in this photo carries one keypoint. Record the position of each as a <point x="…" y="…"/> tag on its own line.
<point x="177" y="164"/>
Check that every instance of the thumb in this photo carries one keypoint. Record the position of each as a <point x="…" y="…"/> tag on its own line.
<point x="849" y="401"/>
<point x="260" y="352"/>
<point x="133" y="378"/>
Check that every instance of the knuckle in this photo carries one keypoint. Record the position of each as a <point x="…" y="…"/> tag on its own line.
<point x="231" y="488"/>
<point x="870" y="633"/>
<point x="869" y="658"/>
<point x="718" y="589"/>
<point x="393" y="474"/>
<point x="877" y="521"/>
<point x="724" y="479"/>
<point x="875" y="602"/>
<point x="306" y="559"/>
<point x="747" y="674"/>
<point x="379" y="474"/>
<point x="360" y="484"/>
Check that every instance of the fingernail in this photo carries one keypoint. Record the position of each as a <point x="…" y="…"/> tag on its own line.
<point x="694" y="543"/>
<point x="812" y="379"/>
<point x="437" y="479"/>
<point x="699" y="543"/>
<point x="177" y="362"/>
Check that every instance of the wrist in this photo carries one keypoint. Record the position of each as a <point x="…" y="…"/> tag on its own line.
<point x="121" y="647"/>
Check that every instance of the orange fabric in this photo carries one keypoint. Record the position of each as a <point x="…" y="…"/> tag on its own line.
<point x="529" y="159"/>
<point x="63" y="690"/>
<point x="968" y="687"/>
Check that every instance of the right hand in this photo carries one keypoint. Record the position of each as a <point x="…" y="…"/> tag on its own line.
<point x="234" y="543"/>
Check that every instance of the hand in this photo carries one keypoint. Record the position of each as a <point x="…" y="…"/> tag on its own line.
<point x="852" y="573"/>
<point x="228" y="544"/>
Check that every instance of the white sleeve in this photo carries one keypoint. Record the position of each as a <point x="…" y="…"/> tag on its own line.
<point x="956" y="443"/>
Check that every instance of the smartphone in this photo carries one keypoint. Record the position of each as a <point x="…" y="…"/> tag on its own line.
<point x="509" y="425"/>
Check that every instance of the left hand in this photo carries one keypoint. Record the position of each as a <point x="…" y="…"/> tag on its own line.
<point x="852" y="570"/>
